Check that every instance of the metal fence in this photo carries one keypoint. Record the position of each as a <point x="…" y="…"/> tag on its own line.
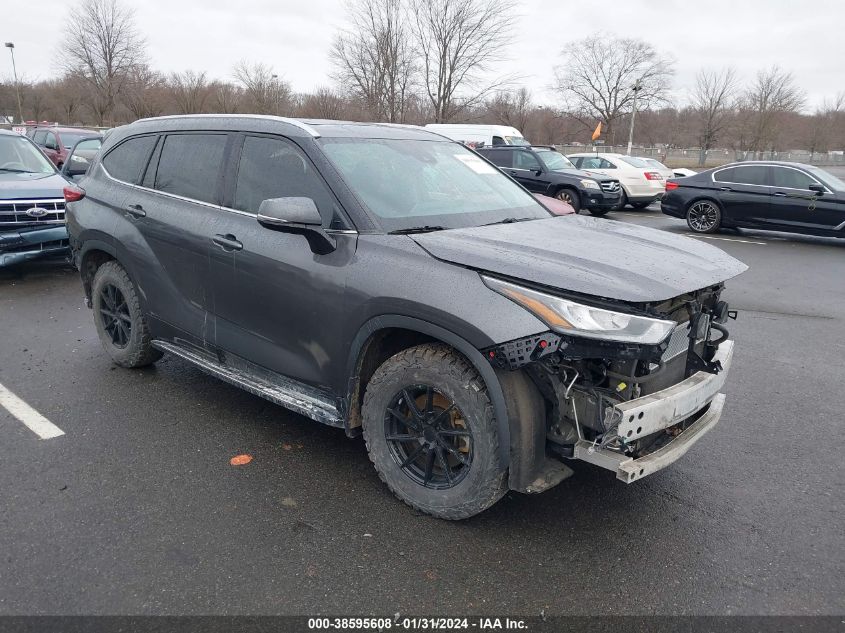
<point x="677" y="157"/>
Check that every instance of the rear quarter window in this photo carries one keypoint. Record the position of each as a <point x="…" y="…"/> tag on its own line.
<point x="126" y="161"/>
<point x="502" y="158"/>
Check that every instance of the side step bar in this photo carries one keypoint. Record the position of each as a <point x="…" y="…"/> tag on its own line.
<point x="278" y="389"/>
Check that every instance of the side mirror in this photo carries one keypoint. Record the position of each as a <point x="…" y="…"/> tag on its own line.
<point x="817" y="189"/>
<point x="299" y="216"/>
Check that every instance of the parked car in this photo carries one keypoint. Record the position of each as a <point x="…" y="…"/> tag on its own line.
<point x="555" y="205"/>
<point x="664" y="171"/>
<point x="56" y="142"/>
<point x="547" y="171"/>
<point x="641" y="183"/>
<point x="682" y="172"/>
<point x="386" y="281"/>
<point x="32" y="206"/>
<point x="776" y="196"/>
<point x="486" y="135"/>
<point x="80" y="156"/>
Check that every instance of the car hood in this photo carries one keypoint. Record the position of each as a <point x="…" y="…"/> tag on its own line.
<point x="591" y="256"/>
<point x="14" y="186"/>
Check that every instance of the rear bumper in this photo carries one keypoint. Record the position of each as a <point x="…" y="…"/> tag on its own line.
<point x="17" y="247"/>
<point x="661" y="410"/>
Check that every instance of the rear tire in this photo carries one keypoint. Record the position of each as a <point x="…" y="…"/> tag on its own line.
<point x="704" y="216"/>
<point x="431" y="435"/>
<point x="570" y="197"/>
<point x="121" y="325"/>
<point x="623" y="200"/>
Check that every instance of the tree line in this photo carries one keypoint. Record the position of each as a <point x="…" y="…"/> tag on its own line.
<point x="421" y="61"/>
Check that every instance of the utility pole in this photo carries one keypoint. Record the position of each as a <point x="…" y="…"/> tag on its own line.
<point x="11" y="47"/>
<point x="637" y="87"/>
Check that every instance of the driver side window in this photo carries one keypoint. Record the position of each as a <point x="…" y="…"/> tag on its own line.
<point x="526" y="160"/>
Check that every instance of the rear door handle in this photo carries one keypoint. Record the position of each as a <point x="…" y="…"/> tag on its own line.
<point x="227" y="242"/>
<point x="779" y="194"/>
<point x="136" y="210"/>
<point x="725" y="189"/>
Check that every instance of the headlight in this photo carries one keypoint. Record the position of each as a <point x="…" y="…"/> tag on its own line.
<point x="590" y="184"/>
<point x="577" y="319"/>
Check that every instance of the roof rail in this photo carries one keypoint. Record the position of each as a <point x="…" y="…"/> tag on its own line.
<point x="281" y="119"/>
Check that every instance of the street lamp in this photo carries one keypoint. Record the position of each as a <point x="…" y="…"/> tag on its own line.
<point x="638" y="85"/>
<point x="11" y="47"/>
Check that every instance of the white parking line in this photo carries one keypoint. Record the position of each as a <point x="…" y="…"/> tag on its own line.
<point x="36" y="422"/>
<point x="724" y="239"/>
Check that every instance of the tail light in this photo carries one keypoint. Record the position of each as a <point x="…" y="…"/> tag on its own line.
<point x="653" y="175"/>
<point x="72" y="194"/>
<point x="671" y="185"/>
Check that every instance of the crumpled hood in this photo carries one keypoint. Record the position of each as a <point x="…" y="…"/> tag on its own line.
<point x="31" y="186"/>
<point x="592" y="256"/>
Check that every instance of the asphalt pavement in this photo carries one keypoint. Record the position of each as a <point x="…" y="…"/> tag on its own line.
<point x="137" y="509"/>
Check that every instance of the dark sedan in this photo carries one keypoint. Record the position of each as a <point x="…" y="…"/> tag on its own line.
<point x="775" y="196"/>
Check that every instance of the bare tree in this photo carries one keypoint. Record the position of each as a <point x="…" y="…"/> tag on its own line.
<point x="712" y="99"/>
<point x="226" y="97"/>
<point x="325" y="103"/>
<point x="772" y="95"/>
<point x="103" y="46"/>
<point x="190" y="91"/>
<point x="67" y="96"/>
<point x="264" y="92"/>
<point x="142" y="93"/>
<point x="511" y="107"/>
<point x="458" y="42"/>
<point x="599" y="74"/>
<point x="822" y="127"/>
<point x="373" y="58"/>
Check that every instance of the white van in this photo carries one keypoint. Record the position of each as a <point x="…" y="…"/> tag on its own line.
<point x="487" y="134"/>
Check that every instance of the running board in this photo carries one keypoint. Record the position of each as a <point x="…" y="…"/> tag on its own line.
<point x="278" y="389"/>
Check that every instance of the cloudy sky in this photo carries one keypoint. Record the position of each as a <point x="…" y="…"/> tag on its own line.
<point x="294" y="37"/>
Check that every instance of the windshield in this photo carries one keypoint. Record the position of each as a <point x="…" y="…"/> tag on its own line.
<point x="407" y="184"/>
<point x="516" y="140"/>
<point x="555" y="161"/>
<point x="634" y="162"/>
<point x="826" y="177"/>
<point x="18" y="154"/>
<point x="69" y="139"/>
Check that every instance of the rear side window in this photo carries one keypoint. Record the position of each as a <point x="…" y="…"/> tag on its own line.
<point x="276" y="168"/>
<point x="40" y="137"/>
<point x="724" y="175"/>
<point x="792" y="178"/>
<point x="126" y="161"/>
<point x="526" y="160"/>
<point x="751" y="175"/>
<point x="502" y="159"/>
<point x="190" y="164"/>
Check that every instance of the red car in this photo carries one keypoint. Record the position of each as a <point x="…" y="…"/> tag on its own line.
<point x="58" y="141"/>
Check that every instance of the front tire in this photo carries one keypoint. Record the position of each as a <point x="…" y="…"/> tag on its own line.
<point x="704" y="216"/>
<point x="120" y="324"/>
<point x="570" y="197"/>
<point x="623" y="200"/>
<point x="431" y="435"/>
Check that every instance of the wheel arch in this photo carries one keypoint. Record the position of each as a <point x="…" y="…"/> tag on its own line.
<point x="93" y="254"/>
<point x="385" y="335"/>
<point x="707" y="197"/>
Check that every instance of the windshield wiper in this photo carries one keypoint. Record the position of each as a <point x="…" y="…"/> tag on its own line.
<point x="417" y="229"/>
<point x="508" y="221"/>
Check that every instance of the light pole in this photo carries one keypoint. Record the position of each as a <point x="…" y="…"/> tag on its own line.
<point x="637" y="87"/>
<point x="11" y="47"/>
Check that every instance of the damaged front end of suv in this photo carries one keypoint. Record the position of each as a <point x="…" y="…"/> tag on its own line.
<point x="629" y="391"/>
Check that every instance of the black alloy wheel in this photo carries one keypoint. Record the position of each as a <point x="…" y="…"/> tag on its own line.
<point x="704" y="217"/>
<point x="428" y="437"/>
<point x="114" y="313"/>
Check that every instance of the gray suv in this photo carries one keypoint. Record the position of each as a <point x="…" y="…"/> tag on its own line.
<point x="392" y="283"/>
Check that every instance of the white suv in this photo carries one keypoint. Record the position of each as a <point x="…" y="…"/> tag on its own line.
<point x="641" y="182"/>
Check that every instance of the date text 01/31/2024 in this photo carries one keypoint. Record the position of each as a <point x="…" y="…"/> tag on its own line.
<point x="414" y="624"/>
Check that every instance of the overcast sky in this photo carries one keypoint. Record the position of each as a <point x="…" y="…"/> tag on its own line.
<point x="294" y="37"/>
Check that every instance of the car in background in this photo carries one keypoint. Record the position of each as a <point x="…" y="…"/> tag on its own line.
<point x="542" y="169"/>
<point x="775" y="196"/>
<point x="80" y="156"/>
<point x="683" y="172"/>
<point x="665" y="171"/>
<point x="56" y="142"/>
<point x="485" y="134"/>
<point x="32" y="206"/>
<point x="641" y="183"/>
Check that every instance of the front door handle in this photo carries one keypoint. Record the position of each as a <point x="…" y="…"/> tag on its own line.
<point x="227" y="242"/>
<point x="779" y="194"/>
<point x="725" y="189"/>
<point x="136" y="210"/>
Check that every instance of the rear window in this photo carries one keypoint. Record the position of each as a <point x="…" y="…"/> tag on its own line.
<point x="635" y="162"/>
<point x="190" y="164"/>
<point x="126" y="161"/>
